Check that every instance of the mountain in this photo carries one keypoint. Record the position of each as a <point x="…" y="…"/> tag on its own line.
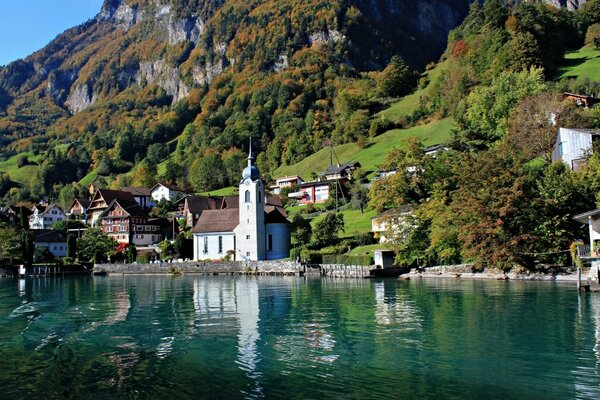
<point x="150" y="79"/>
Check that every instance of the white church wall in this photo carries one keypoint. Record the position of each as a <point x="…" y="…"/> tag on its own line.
<point x="208" y="246"/>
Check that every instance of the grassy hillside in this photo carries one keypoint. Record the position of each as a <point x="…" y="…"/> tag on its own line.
<point x="582" y="63"/>
<point x="23" y="174"/>
<point x="409" y="103"/>
<point x="373" y="154"/>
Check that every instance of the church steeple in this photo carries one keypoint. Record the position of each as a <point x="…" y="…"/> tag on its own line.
<point x="250" y="172"/>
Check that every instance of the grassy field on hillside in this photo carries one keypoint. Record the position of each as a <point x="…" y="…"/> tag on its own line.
<point x="373" y="154"/>
<point x="409" y="103"/>
<point x="582" y="63"/>
<point x="355" y="222"/>
<point x="23" y="174"/>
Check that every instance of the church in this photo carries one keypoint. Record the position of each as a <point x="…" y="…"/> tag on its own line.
<point x="257" y="229"/>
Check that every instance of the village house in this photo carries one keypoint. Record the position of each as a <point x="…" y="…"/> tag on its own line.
<point x="257" y="229"/>
<point x="341" y="171"/>
<point x="100" y="201"/>
<point x="44" y="216"/>
<point x="166" y="191"/>
<point x="285" y="182"/>
<point x="142" y="196"/>
<point x="192" y="206"/>
<point x="389" y="222"/>
<point x="14" y="214"/>
<point x="581" y="100"/>
<point x="50" y="241"/>
<point x="127" y="222"/>
<point x="574" y="146"/>
<point x="590" y="253"/>
<point x="78" y="209"/>
<point x="312" y="192"/>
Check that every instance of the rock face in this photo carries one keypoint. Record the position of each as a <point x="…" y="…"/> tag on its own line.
<point x="182" y="44"/>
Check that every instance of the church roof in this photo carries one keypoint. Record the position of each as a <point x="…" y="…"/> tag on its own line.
<point x="275" y="215"/>
<point x="224" y="220"/>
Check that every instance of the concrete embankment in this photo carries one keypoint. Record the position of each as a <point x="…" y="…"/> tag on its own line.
<point x="466" y="271"/>
<point x="209" y="268"/>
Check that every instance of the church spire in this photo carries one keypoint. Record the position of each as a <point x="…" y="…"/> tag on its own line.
<point x="250" y="171"/>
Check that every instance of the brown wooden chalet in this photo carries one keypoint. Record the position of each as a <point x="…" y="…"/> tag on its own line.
<point x="193" y="206"/>
<point x="101" y="199"/>
<point x="581" y="100"/>
<point x="142" y="195"/>
<point x="78" y="209"/>
<point x="127" y="222"/>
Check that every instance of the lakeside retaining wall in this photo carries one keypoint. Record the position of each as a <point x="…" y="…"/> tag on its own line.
<point x="200" y="267"/>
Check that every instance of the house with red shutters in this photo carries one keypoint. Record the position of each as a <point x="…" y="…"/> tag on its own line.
<point x="127" y="222"/>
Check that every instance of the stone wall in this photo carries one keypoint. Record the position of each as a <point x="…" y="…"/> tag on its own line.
<point x="345" y="271"/>
<point x="258" y="267"/>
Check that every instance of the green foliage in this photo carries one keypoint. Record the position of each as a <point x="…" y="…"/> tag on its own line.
<point x="592" y="36"/>
<point x="326" y="231"/>
<point x="301" y="229"/>
<point x="95" y="245"/>
<point x="206" y="173"/>
<point x="10" y="244"/>
<point x="184" y="246"/>
<point x="347" y="260"/>
<point x="131" y="253"/>
<point x="167" y="249"/>
<point x="397" y="79"/>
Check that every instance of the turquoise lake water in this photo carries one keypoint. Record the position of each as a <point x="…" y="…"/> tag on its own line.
<point x="229" y="337"/>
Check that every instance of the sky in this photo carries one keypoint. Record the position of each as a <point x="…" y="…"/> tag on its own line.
<point x="28" y="25"/>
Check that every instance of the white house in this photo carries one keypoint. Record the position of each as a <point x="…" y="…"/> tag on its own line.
<point x="574" y="146"/>
<point x="389" y="222"/>
<point x="51" y="241"/>
<point x="285" y="182"/>
<point x="256" y="230"/>
<point x="166" y="191"/>
<point x="44" y="216"/>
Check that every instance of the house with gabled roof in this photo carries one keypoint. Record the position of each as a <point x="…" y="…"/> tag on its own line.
<point x="341" y="171"/>
<point x="193" y="206"/>
<point x="50" y="241"/>
<point x="388" y="223"/>
<point x="251" y="226"/>
<point x="78" y="209"/>
<point x="127" y="222"/>
<point x="166" y="191"/>
<point x="285" y="182"/>
<point x="142" y="195"/>
<point x="100" y="201"/>
<point x="44" y="216"/>
<point x="574" y="146"/>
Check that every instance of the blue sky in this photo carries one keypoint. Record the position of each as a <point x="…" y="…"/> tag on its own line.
<point x="28" y="25"/>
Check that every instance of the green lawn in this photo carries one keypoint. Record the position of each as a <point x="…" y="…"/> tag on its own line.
<point x="89" y="178"/>
<point x="409" y="103"/>
<point x="23" y="174"/>
<point x="355" y="222"/>
<point x="582" y="63"/>
<point x="373" y="153"/>
<point x="228" y="191"/>
<point x="367" y="250"/>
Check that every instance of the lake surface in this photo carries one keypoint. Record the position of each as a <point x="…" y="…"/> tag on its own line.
<point x="295" y="338"/>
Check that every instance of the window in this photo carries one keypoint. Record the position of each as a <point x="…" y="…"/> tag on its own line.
<point x="247" y="196"/>
<point x="205" y="244"/>
<point x="270" y="242"/>
<point x="259" y="197"/>
<point x="248" y="254"/>
<point x="247" y="237"/>
<point x="122" y="229"/>
<point x="220" y="244"/>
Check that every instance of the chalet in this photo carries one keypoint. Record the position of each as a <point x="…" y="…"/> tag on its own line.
<point x="341" y="171"/>
<point x="574" y="146"/>
<point x="44" y="216"/>
<point x="127" y="222"/>
<point x="312" y="192"/>
<point x="14" y="213"/>
<point x="285" y="182"/>
<point x="433" y="150"/>
<point x="142" y="196"/>
<point x="581" y="100"/>
<point x="166" y="191"/>
<point x="50" y="241"/>
<point x="389" y="222"/>
<point x="255" y="229"/>
<point x="78" y="209"/>
<point x="100" y="201"/>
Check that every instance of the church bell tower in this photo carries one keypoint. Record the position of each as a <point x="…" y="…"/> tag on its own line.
<point x="250" y="232"/>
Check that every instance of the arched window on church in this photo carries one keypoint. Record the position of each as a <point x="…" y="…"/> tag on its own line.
<point x="247" y="196"/>
<point x="259" y="197"/>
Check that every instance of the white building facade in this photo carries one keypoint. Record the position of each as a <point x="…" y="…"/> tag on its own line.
<point x="44" y="217"/>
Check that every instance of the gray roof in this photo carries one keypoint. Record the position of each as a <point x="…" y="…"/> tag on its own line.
<point x="336" y="169"/>
<point x="583" y="218"/>
<point x="48" y="236"/>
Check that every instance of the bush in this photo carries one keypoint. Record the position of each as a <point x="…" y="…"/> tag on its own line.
<point x="347" y="260"/>
<point x="365" y="239"/>
<point x="592" y="36"/>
